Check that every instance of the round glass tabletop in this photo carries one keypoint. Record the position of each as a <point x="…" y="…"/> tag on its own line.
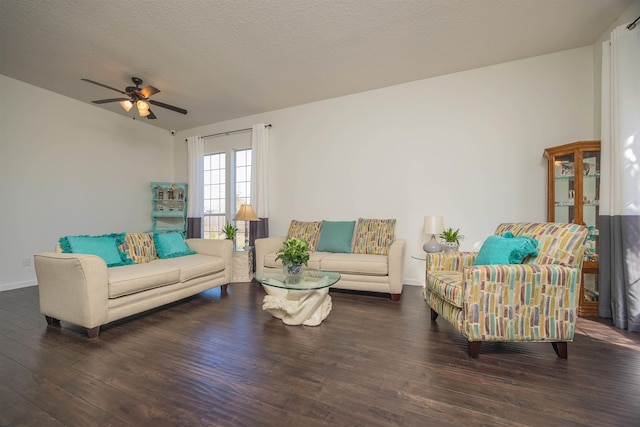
<point x="307" y="280"/>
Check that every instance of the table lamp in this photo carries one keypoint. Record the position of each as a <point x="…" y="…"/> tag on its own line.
<point x="433" y="225"/>
<point x="246" y="214"/>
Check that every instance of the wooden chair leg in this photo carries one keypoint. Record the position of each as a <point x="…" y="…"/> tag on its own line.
<point x="561" y="349"/>
<point x="434" y="315"/>
<point x="474" y="348"/>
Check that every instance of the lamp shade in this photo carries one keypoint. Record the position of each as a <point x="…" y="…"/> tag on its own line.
<point x="433" y="225"/>
<point x="246" y="213"/>
<point x="126" y="105"/>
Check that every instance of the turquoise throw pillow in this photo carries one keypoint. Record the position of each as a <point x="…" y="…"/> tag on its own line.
<point x="506" y="249"/>
<point x="106" y="247"/>
<point x="336" y="236"/>
<point x="171" y="245"/>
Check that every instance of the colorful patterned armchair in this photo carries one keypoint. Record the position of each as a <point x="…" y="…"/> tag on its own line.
<point x="533" y="301"/>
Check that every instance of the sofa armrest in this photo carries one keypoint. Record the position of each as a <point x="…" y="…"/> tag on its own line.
<point x="450" y="261"/>
<point x="267" y="245"/>
<point x="395" y="261"/>
<point x="73" y="287"/>
<point x="215" y="247"/>
<point x="531" y="302"/>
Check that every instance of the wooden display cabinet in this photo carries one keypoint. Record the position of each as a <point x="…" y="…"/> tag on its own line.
<point x="574" y="196"/>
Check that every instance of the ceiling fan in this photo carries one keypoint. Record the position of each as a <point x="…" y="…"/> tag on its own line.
<point x="137" y="96"/>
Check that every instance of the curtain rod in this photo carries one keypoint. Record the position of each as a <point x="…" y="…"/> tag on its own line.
<point x="633" y="24"/>
<point x="231" y="131"/>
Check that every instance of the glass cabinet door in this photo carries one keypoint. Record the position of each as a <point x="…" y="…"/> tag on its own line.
<point x="574" y="197"/>
<point x="591" y="200"/>
<point x="564" y="191"/>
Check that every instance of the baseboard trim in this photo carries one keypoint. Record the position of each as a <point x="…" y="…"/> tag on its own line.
<point x="17" y="285"/>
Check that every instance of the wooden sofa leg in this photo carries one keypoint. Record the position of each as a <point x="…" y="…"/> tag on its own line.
<point x="560" y="348"/>
<point x="93" y="332"/>
<point x="395" y="297"/>
<point x="52" y="321"/>
<point x="474" y="348"/>
<point x="434" y="315"/>
<point x="223" y="288"/>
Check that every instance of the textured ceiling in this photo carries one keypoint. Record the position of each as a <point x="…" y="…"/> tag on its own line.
<point x="226" y="59"/>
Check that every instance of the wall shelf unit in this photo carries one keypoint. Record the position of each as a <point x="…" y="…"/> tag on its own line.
<point x="168" y="207"/>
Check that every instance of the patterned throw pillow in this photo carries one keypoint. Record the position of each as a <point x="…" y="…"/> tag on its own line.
<point x="309" y="231"/>
<point x="373" y="236"/>
<point x="139" y="247"/>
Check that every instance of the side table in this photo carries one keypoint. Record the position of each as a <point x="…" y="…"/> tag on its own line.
<point x="242" y="265"/>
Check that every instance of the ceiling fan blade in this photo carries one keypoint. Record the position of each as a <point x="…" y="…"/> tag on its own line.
<point x="170" y="107"/>
<point x="104" y="101"/>
<point x="151" y="115"/>
<point x="147" y="91"/>
<point x="100" y="84"/>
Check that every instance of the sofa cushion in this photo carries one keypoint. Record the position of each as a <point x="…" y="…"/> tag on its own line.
<point x="506" y="249"/>
<point x="105" y="246"/>
<point x="356" y="264"/>
<point x="139" y="247"/>
<point x="373" y="236"/>
<point x="336" y="236"/>
<point x="192" y="266"/>
<point x="134" y="278"/>
<point x="447" y="285"/>
<point x="306" y="230"/>
<point x="171" y="245"/>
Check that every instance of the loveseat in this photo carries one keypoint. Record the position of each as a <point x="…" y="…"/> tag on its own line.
<point x="365" y="253"/>
<point x="523" y="285"/>
<point x="145" y="271"/>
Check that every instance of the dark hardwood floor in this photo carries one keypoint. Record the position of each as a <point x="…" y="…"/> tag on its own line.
<point x="220" y="360"/>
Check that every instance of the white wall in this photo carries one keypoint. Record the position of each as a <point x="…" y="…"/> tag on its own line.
<point x="467" y="146"/>
<point x="68" y="167"/>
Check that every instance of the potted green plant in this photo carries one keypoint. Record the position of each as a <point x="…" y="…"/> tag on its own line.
<point x="230" y="231"/>
<point x="294" y="254"/>
<point x="451" y="239"/>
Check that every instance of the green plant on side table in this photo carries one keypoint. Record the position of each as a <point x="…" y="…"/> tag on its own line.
<point x="451" y="239"/>
<point x="230" y="231"/>
<point x="294" y="255"/>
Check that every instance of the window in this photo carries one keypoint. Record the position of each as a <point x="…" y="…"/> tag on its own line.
<point x="227" y="185"/>
<point x="214" y="195"/>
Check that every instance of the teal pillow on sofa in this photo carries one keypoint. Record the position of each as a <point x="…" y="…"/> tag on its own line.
<point x="171" y="245"/>
<point x="506" y="249"/>
<point x="106" y="247"/>
<point x="336" y="236"/>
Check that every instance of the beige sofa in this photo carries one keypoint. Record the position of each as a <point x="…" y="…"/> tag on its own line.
<point x="359" y="271"/>
<point x="80" y="289"/>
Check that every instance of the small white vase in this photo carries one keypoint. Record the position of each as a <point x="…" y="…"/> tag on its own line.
<point x="450" y="246"/>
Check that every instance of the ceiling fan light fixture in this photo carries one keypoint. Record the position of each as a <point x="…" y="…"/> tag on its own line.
<point x="143" y="108"/>
<point x="127" y="105"/>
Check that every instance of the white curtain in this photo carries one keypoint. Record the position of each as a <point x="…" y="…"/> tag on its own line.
<point x="195" y="200"/>
<point x="259" y="180"/>
<point x="620" y="180"/>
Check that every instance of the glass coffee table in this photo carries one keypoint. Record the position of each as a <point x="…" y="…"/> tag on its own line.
<point x="301" y="299"/>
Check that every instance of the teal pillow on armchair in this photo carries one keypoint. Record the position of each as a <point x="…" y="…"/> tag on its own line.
<point x="506" y="249"/>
